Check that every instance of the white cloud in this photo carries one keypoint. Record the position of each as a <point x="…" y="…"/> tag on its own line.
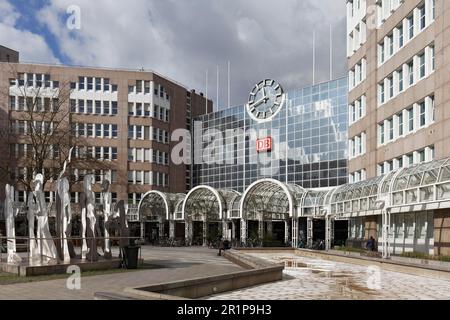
<point x="32" y="47"/>
<point x="181" y="39"/>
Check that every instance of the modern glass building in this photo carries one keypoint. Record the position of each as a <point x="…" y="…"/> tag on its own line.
<point x="304" y="144"/>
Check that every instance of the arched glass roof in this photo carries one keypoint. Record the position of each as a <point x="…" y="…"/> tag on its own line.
<point x="356" y="197"/>
<point x="313" y="201"/>
<point x="204" y="202"/>
<point x="234" y="207"/>
<point x="270" y="199"/>
<point x="423" y="183"/>
<point x="158" y="206"/>
<point x="426" y="184"/>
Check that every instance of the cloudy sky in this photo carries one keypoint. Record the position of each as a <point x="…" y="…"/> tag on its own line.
<point x="183" y="38"/>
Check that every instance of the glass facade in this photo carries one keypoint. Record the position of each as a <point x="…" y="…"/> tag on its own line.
<point x="308" y="142"/>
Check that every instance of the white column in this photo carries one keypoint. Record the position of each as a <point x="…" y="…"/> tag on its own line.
<point x="225" y="230"/>
<point x="286" y="231"/>
<point x="294" y="232"/>
<point x="172" y="229"/>
<point x="233" y="230"/>
<point x="243" y="231"/>
<point x="205" y="233"/>
<point x="261" y="229"/>
<point x="309" y="232"/>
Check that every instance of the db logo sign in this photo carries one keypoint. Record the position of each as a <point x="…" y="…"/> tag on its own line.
<point x="264" y="145"/>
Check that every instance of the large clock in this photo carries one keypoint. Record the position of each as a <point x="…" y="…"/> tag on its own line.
<point x="265" y="101"/>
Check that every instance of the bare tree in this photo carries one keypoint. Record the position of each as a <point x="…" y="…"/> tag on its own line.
<point x="38" y="133"/>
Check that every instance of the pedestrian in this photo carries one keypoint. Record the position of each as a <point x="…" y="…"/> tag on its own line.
<point x="221" y="247"/>
<point x="371" y="244"/>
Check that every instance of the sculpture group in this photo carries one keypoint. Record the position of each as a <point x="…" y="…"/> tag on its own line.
<point x="43" y="248"/>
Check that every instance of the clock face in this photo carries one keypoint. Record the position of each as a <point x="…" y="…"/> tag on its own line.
<point x="266" y="100"/>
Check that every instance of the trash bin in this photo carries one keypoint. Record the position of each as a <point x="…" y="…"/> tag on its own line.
<point x="131" y="256"/>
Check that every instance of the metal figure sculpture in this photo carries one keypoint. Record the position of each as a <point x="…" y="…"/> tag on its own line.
<point x="89" y="220"/>
<point x="107" y="215"/>
<point x="46" y="246"/>
<point x="10" y="214"/>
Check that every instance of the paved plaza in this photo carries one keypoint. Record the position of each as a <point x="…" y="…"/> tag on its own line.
<point x="165" y="265"/>
<point x="316" y="279"/>
<point x="304" y="279"/>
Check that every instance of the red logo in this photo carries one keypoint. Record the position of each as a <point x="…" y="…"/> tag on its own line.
<point x="264" y="145"/>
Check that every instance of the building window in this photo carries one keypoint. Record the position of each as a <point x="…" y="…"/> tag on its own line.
<point x="433" y="59"/>
<point x="382" y="98"/>
<point x="391" y="45"/>
<point x="98" y="84"/>
<point x="391" y="129"/>
<point x="400" y="124"/>
<point x="422" y="65"/>
<point x="381" y="128"/>
<point x="422" y="17"/>
<point x="106" y="85"/>
<point x="400" y="37"/>
<point x="81" y="83"/>
<point x="411" y="26"/>
<point x="411" y="73"/>
<point x="90" y="83"/>
<point x="391" y="87"/>
<point x="422" y="117"/>
<point x="114" y="108"/>
<point x="410" y="119"/>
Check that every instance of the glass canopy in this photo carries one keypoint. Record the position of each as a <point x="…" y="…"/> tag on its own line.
<point x="270" y="199"/>
<point x="205" y="203"/>
<point x="427" y="184"/>
<point x="158" y="206"/>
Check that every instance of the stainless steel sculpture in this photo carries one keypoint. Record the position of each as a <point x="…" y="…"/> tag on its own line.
<point x="46" y="246"/>
<point x="33" y="253"/>
<point x="10" y="214"/>
<point x="64" y="214"/>
<point x="107" y="214"/>
<point x="88" y="216"/>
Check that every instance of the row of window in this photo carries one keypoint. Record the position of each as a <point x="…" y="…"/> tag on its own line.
<point x="385" y="8"/>
<point x="148" y="155"/>
<point x="100" y="175"/>
<point x="37" y="104"/>
<point x="97" y="130"/>
<point x="145" y="110"/>
<point x="357" y="74"/>
<point x="357" y="110"/>
<point x="148" y="133"/>
<point x="26" y="151"/>
<point x="358" y="176"/>
<point x="419" y="67"/>
<point x="148" y="178"/>
<point x="98" y="153"/>
<point x="356" y="25"/>
<point x="22" y="127"/>
<point x="411" y="26"/>
<point x="34" y="80"/>
<point x="143" y="86"/>
<point x="407" y="121"/>
<point x="93" y="84"/>
<point x="357" y="145"/>
<point x="93" y="107"/>
<point x="416" y="157"/>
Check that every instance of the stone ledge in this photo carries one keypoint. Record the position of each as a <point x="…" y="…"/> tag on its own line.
<point x="258" y="272"/>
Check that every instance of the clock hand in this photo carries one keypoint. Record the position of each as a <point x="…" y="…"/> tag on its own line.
<point x="264" y="93"/>
<point x="257" y="103"/>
